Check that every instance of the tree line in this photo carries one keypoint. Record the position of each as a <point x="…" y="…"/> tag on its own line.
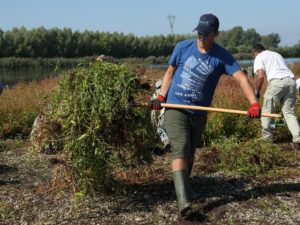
<point x="48" y="43"/>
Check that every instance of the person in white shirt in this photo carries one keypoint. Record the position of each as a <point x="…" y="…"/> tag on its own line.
<point x="298" y="84"/>
<point x="281" y="88"/>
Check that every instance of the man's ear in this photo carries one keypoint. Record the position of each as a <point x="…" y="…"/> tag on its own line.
<point x="217" y="34"/>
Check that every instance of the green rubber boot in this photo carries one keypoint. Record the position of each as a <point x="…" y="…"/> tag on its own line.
<point x="181" y="184"/>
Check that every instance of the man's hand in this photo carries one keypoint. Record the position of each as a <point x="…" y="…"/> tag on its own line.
<point x="155" y="104"/>
<point x="254" y="110"/>
<point x="257" y="94"/>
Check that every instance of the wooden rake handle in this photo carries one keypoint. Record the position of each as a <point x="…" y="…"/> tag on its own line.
<point x="210" y="109"/>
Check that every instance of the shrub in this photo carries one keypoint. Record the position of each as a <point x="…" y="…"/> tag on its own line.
<point x="251" y="157"/>
<point x="224" y="125"/>
<point x="100" y="126"/>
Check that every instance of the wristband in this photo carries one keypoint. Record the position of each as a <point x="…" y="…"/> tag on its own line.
<point x="256" y="104"/>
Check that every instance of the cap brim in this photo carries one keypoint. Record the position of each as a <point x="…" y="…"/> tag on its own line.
<point x="203" y="29"/>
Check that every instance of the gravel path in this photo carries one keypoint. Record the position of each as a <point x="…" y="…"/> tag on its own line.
<point x="29" y="194"/>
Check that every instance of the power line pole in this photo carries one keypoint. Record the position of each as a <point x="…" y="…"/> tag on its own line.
<point x="171" y="19"/>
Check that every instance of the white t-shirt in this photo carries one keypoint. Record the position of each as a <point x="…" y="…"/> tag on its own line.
<point x="273" y="64"/>
<point x="298" y="84"/>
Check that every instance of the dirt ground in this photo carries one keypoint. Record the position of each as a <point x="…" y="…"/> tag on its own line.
<point x="31" y="194"/>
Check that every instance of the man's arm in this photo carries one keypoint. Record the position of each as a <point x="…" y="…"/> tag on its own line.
<point x="246" y="86"/>
<point x="259" y="80"/>
<point x="167" y="80"/>
<point x="242" y="79"/>
<point x="166" y="83"/>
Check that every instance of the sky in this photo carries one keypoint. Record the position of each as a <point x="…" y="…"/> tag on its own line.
<point x="141" y="17"/>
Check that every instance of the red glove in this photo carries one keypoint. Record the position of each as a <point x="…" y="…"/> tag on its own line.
<point x="254" y="111"/>
<point x="156" y="103"/>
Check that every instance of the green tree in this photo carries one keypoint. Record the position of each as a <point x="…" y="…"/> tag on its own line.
<point x="41" y="42"/>
<point x="271" y="40"/>
<point x="251" y="37"/>
<point x="2" y="43"/>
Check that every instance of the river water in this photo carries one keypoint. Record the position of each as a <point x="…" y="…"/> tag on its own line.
<point x="10" y="78"/>
<point x="245" y="62"/>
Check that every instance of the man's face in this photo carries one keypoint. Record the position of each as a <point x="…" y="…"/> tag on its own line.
<point x="207" y="39"/>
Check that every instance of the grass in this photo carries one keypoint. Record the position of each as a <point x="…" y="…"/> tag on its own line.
<point x="6" y="210"/>
<point x="20" y="106"/>
<point x="295" y="67"/>
<point x="7" y="144"/>
<point x="253" y="157"/>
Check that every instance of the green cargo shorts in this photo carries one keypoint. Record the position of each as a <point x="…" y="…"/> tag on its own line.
<point x="184" y="131"/>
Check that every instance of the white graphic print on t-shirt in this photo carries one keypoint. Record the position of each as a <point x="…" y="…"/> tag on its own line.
<point x="194" y="75"/>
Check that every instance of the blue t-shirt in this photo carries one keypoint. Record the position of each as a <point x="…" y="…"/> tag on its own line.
<point x="197" y="74"/>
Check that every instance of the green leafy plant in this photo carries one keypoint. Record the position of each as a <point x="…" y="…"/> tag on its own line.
<point x="222" y="126"/>
<point x="252" y="157"/>
<point x="100" y="126"/>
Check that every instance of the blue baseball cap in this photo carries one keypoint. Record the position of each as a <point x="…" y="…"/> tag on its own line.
<point x="207" y="23"/>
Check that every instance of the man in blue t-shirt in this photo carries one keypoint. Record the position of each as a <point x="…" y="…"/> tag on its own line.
<point x="194" y="70"/>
